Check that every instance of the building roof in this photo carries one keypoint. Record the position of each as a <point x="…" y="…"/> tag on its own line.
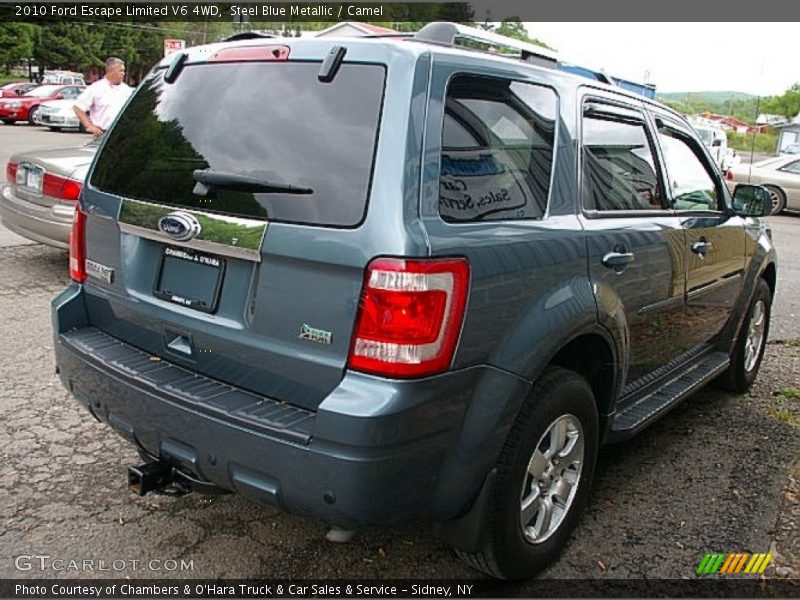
<point x="366" y="28"/>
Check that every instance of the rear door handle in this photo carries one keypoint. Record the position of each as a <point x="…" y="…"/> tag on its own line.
<point x="618" y="260"/>
<point x="701" y="247"/>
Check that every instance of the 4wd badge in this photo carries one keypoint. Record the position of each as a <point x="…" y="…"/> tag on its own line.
<point x="315" y="335"/>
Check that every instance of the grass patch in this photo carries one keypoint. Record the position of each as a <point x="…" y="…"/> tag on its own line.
<point x="786" y="393"/>
<point x="763" y="142"/>
<point x="784" y="415"/>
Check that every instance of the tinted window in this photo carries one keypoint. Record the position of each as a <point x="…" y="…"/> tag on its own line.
<point x="618" y="167"/>
<point x="273" y="122"/>
<point x="693" y="188"/>
<point x="497" y="150"/>
<point x="793" y="167"/>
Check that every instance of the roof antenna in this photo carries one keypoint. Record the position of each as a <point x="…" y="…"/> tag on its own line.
<point x="330" y="66"/>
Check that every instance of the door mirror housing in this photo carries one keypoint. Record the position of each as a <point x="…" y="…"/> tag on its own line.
<point x="716" y="143"/>
<point x="751" y="201"/>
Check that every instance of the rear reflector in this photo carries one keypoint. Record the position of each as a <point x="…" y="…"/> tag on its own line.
<point x="11" y="172"/>
<point x="61" y="187"/>
<point x="77" y="246"/>
<point x="410" y="316"/>
<point x="251" y="53"/>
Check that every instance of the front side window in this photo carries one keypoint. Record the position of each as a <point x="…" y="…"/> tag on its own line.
<point x="619" y="170"/>
<point x="497" y="150"/>
<point x="693" y="187"/>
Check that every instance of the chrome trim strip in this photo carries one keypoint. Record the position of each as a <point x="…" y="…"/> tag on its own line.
<point x="711" y="287"/>
<point x="223" y="235"/>
<point x="195" y="244"/>
<point x="662" y="304"/>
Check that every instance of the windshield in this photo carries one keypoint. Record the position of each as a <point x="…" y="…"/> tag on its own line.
<point x="273" y="122"/>
<point x="43" y="91"/>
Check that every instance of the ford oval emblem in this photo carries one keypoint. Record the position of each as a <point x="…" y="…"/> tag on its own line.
<point x="180" y="226"/>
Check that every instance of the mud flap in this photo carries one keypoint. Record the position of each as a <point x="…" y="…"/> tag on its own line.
<point x="467" y="532"/>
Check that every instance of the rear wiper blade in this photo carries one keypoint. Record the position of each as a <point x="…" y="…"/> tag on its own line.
<point x="207" y="180"/>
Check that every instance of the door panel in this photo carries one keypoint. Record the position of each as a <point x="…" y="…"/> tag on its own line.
<point x="649" y="290"/>
<point x="715" y="248"/>
<point x="715" y="244"/>
<point x="635" y="245"/>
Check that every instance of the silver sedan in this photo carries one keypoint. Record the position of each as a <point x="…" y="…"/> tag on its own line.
<point x="38" y="202"/>
<point x="58" y="115"/>
<point x="780" y="175"/>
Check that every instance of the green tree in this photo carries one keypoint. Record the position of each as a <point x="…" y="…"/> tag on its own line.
<point x="513" y="28"/>
<point x="16" y="43"/>
<point x="73" y="46"/>
<point x="787" y="105"/>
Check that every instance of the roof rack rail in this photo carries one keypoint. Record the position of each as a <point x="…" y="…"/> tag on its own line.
<point x="445" y="33"/>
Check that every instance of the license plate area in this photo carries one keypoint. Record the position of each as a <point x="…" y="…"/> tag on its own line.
<point x="190" y="278"/>
<point x="30" y="176"/>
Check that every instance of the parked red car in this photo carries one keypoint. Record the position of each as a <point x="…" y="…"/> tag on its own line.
<point x="16" y="88"/>
<point x="22" y="108"/>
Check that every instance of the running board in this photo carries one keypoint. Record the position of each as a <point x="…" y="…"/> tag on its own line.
<point x="649" y="408"/>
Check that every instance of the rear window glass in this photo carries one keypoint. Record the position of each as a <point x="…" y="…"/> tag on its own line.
<point x="497" y="150"/>
<point x="272" y="123"/>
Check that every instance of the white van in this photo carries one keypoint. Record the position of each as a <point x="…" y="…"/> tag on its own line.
<point x="63" y="78"/>
<point x="716" y="140"/>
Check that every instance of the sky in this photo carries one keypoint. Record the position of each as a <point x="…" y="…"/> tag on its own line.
<point x="757" y="58"/>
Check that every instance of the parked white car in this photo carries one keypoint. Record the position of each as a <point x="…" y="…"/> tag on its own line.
<point x="58" y="115"/>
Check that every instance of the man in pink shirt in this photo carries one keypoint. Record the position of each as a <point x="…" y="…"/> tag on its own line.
<point x="99" y="104"/>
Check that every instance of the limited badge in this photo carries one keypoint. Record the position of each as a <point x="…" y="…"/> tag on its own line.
<point x="315" y="335"/>
<point x="98" y="271"/>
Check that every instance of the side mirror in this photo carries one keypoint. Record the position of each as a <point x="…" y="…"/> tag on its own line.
<point x="58" y="96"/>
<point x="751" y="201"/>
<point x="716" y="143"/>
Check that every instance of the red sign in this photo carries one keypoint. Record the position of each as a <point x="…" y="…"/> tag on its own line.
<point x="171" y="46"/>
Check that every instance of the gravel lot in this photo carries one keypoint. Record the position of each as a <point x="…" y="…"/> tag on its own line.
<point x="720" y="473"/>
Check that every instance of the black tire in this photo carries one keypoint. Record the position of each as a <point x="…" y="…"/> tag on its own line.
<point x="81" y="128"/>
<point x="31" y="113"/>
<point x="738" y="377"/>
<point x="506" y="552"/>
<point x="778" y="199"/>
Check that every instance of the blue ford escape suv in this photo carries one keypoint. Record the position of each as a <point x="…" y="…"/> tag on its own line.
<point x="370" y="280"/>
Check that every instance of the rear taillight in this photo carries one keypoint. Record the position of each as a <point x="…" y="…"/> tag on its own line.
<point x="77" y="246"/>
<point x="11" y="172"/>
<point x="61" y="187"/>
<point x="410" y="316"/>
<point x="729" y="175"/>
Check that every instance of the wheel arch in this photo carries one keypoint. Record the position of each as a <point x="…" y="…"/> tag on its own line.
<point x="593" y="357"/>
<point x="770" y="275"/>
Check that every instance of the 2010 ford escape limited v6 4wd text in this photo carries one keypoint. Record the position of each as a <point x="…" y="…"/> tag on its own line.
<point x="369" y="280"/>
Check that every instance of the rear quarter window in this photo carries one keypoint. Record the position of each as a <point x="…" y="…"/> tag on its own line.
<point x="497" y="150"/>
<point x="272" y="122"/>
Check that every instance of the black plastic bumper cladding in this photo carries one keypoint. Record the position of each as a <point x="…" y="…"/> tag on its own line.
<point x="241" y="442"/>
<point x="201" y="393"/>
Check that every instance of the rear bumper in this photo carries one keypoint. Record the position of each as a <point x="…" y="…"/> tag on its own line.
<point x="48" y="225"/>
<point x="374" y="452"/>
